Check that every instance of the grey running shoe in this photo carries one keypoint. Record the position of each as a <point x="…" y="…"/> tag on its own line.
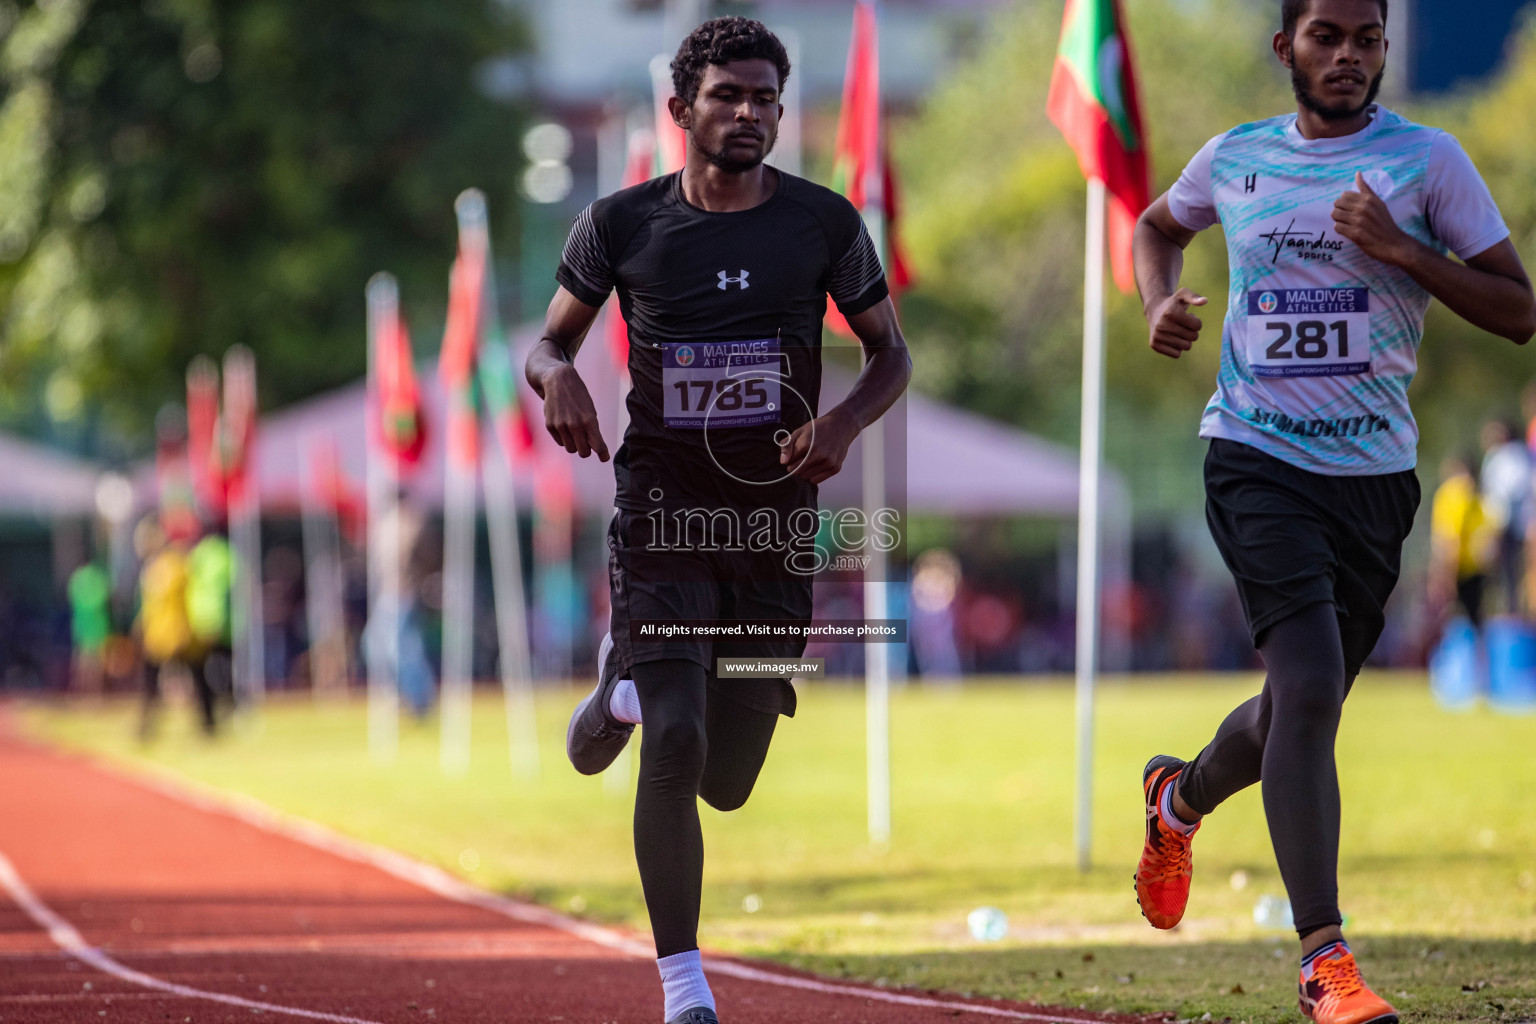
<point x="594" y="737"/>
<point x="697" y="1015"/>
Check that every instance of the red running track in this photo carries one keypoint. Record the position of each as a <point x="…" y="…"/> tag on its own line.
<point x="126" y="900"/>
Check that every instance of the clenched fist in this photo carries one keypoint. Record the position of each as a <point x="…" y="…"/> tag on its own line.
<point x="1174" y="328"/>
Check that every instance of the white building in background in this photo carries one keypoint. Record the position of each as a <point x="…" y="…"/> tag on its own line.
<point x="589" y="71"/>
<point x="588" y="51"/>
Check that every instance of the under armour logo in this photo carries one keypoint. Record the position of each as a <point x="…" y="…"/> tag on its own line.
<point x="1251" y="183"/>
<point x="726" y="281"/>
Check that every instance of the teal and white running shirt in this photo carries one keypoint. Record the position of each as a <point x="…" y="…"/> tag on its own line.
<point x="1321" y="341"/>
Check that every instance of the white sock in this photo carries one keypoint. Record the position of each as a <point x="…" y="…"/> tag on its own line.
<point x="1170" y="816"/>
<point x="682" y="983"/>
<point x="624" y="703"/>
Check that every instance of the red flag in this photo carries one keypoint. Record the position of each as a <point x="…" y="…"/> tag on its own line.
<point x="237" y="433"/>
<point x="639" y="165"/>
<point x="854" y="160"/>
<point x="173" y="476"/>
<point x="671" y="142"/>
<point x="498" y="382"/>
<point x="202" y="434"/>
<point x="861" y="164"/>
<point x="399" y="422"/>
<point x="334" y="492"/>
<point x="898" y="269"/>
<point x="456" y="364"/>
<point x="1094" y="102"/>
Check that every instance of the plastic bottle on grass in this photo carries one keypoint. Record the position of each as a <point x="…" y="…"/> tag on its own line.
<point x="1274" y="913"/>
<point x="988" y="924"/>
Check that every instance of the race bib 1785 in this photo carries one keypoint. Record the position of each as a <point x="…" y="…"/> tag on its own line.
<point x="721" y="383"/>
<point x="1309" y="332"/>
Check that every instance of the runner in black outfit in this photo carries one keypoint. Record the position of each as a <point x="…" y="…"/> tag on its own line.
<point x="722" y="272"/>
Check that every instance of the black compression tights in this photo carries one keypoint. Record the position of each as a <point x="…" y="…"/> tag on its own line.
<point x="691" y="746"/>
<point x="1285" y="738"/>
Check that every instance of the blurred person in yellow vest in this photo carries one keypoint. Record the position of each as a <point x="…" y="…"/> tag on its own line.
<point x="1463" y="539"/>
<point x="164" y="627"/>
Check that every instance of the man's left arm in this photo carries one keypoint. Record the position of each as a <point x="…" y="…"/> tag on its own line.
<point x="1491" y="290"/>
<point x="817" y="449"/>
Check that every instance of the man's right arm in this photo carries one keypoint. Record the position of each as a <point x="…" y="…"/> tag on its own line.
<point x="1158" y="249"/>
<point x="569" y="415"/>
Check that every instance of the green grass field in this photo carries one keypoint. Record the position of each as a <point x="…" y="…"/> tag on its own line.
<point x="1438" y="873"/>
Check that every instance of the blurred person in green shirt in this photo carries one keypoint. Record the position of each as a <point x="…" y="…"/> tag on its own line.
<point x="211" y="570"/>
<point x="90" y="620"/>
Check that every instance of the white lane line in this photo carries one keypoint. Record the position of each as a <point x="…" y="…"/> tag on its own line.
<point x="73" y="943"/>
<point x="258" y="815"/>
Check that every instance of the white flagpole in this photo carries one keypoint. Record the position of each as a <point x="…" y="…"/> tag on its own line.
<point x="245" y="532"/>
<point x="382" y="644"/>
<point x="323" y="584"/>
<point x="877" y="668"/>
<point x="877" y="655"/>
<point x="1088" y="516"/>
<point x="506" y="553"/>
<point x="459" y="557"/>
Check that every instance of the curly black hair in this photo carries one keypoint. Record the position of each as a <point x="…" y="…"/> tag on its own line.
<point x="1292" y="10"/>
<point x="719" y="42"/>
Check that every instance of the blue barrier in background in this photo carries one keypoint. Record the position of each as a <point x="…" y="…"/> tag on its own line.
<point x="1511" y="664"/>
<point x="1457" y="673"/>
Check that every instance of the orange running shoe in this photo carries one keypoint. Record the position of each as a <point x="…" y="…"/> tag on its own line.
<point x="1332" y="992"/>
<point x="1162" y="877"/>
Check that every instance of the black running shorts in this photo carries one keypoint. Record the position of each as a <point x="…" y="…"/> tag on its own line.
<point x="682" y="583"/>
<point x="1294" y="538"/>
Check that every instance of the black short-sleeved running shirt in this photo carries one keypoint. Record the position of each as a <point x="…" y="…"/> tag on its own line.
<point x="724" y="314"/>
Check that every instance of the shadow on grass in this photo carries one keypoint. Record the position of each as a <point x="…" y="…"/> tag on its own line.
<point x="1428" y="978"/>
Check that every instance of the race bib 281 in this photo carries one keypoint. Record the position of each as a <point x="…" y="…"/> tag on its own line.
<point x="1309" y="332"/>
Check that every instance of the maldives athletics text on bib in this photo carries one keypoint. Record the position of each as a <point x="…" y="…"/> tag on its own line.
<point x="1309" y="332"/>
<point x="713" y="384"/>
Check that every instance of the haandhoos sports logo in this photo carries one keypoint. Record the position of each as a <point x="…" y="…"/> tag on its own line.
<point x="685" y="356"/>
<point x="1268" y="303"/>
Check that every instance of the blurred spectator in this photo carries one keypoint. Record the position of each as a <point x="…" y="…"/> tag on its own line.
<point x="90" y="620"/>
<point x="990" y="625"/>
<point x="210" y="584"/>
<point x="165" y="631"/>
<point x="935" y="584"/>
<point x="282" y="604"/>
<point x="1506" y="494"/>
<point x="1463" y="540"/>
<point x="394" y="639"/>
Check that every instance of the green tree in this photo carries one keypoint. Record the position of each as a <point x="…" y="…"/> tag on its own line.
<point x="995" y="228"/>
<point x="1466" y="375"/>
<point x="177" y="176"/>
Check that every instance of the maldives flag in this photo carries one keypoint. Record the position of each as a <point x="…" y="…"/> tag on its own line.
<point x="861" y="163"/>
<point x="671" y="142"/>
<point x="400" y="426"/>
<point x="202" y="434"/>
<point x="498" y="382"/>
<point x="334" y="492"/>
<point x="640" y="164"/>
<point x="456" y="363"/>
<point x="236" y="440"/>
<point x="173" y="476"/>
<point x="1093" y="101"/>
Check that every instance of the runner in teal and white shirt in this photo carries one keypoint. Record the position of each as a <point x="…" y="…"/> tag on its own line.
<point x="1321" y="339"/>
<point x="1338" y="221"/>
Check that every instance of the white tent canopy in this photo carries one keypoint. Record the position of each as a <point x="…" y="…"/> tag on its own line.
<point x="41" y="482"/>
<point x="958" y="463"/>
